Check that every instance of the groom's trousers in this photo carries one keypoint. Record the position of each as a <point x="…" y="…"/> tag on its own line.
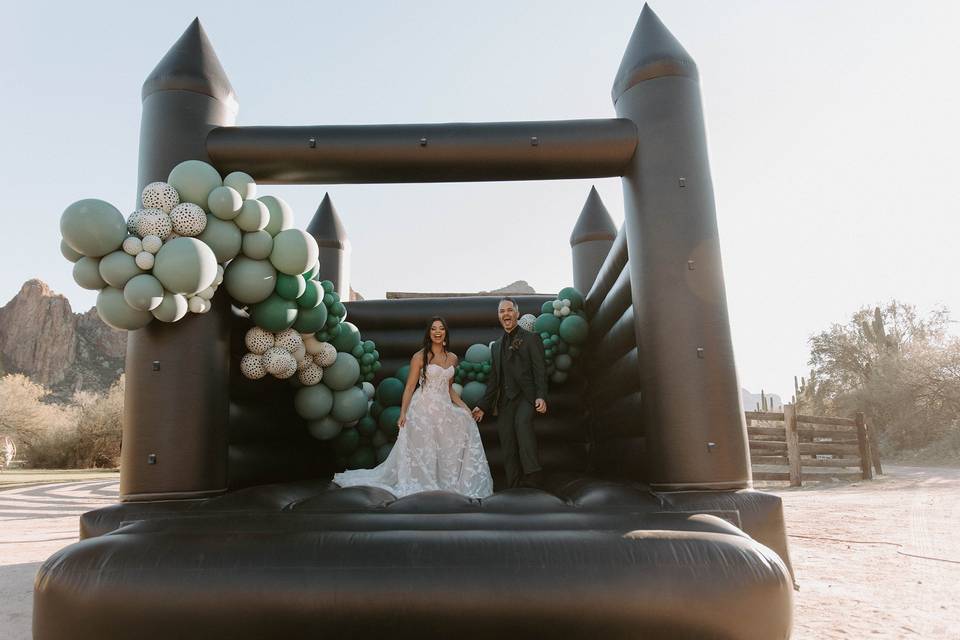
<point x="517" y="439"/>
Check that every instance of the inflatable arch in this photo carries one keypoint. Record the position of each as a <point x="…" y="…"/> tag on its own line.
<point x="646" y="524"/>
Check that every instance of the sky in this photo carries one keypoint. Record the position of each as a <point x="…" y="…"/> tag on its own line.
<point x="833" y="130"/>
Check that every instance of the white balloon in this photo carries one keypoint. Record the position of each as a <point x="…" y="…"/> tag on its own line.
<point x="556" y="304"/>
<point x="195" y="304"/>
<point x="144" y="260"/>
<point x="151" y="243"/>
<point x="132" y="245"/>
<point x="207" y="293"/>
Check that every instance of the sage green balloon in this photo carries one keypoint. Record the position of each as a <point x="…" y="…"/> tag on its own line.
<point x="143" y="292"/>
<point x="343" y="373"/>
<point x="310" y="320"/>
<point x="68" y="252"/>
<point x="349" y="404"/>
<point x="86" y="273"/>
<point x="253" y="216"/>
<point x="291" y="287"/>
<point x="472" y="393"/>
<point x="390" y="392"/>
<point x="325" y="428"/>
<point x="114" y="310"/>
<point x="257" y="245"/>
<point x="93" y="227"/>
<point x="223" y="237"/>
<point x="294" y="251"/>
<point x="194" y="180"/>
<point x="250" y="281"/>
<point x="117" y="268"/>
<point x="310" y="298"/>
<point x="281" y="216"/>
<point x="173" y="307"/>
<point x="185" y="265"/>
<point x="314" y="402"/>
<point x="243" y="183"/>
<point x="225" y="203"/>
<point x="274" y="314"/>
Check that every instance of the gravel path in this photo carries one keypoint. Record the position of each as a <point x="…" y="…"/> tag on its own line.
<point x="854" y="547"/>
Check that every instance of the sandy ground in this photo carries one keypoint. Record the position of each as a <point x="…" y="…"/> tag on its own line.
<point x="849" y="545"/>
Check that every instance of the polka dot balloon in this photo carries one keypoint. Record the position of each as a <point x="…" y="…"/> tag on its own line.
<point x="279" y="362"/>
<point x="258" y="340"/>
<point x="310" y="374"/>
<point x="188" y="219"/>
<point x="325" y="355"/>
<point x="153" y="222"/>
<point x="160" y="195"/>
<point x="289" y="340"/>
<point x="251" y="366"/>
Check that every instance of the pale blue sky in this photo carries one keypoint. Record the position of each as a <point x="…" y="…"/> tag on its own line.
<point x="832" y="127"/>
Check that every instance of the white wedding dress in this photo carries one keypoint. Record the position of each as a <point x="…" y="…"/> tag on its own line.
<point x="438" y="449"/>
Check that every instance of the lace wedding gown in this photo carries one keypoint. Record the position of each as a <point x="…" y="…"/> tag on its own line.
<point x="438" y="449"/>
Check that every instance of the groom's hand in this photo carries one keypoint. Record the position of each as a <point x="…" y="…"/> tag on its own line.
<point x="540" y="405"/>
<point x="477" y="414"/>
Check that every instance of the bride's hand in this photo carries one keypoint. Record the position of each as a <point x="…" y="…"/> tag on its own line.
<point x="402" y="421"/>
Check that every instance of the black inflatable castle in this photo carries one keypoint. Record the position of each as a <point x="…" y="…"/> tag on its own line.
<point x="646" y="525"/>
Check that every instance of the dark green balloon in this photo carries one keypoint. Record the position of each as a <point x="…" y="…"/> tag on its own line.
<point x="383" y="452"/>
<point x="328" y="299"/>
<point x="310" y="297"/>
<point x="367" y="426"/>
<point x="313" y="272"/>
<point x="311" y="320"/>
<point x="362" y="458"/>
<point x="290" y="287"/>
<point x="574" y="329"/>
<point x="367" y="359"/>
<point x="274" y="314"/>
<point x="348" y="338"/>
<point x="376" y="409"/>
<point x="390" y="392"/>
<point x="338" y="309"/>
<point x="334" y="331"/>
<point x="547" y="322"/>
<point x="347" y="442"/>
<point x="559" y="377"/>
<point x="403" y="372"/>
<point x="388" y="422"/>
<point x="574" y="351"/>
<point x="547" y="307"/>
<point x="369" y="346"/>
<point x="563" y="362"/>
<point x="327" y="286"/>
<point x="574" y="296"/>
<point x="357" y="351"/>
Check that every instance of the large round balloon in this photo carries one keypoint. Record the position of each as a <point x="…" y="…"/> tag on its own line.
<point x="310" y="320"/>
<point x="574" y="330"/>
<point x="291" y="287"/>
<point x="390" y="392"/>
<point x="563" y="362"/>
<point x="388" y="422"/>
<point x="547" y="322"/>
<point x="348" y="338"/>
<point x="117" y="268"/>
<point x="172" y="308"/>
<point x="223" y="237"/>
<point x="257" y="245"/>
<point x="194" y="180"/>
<point x="478" y="353"/>
<point x="225" y="203"/>
<point x="114" y="310"/>
<point x="185" y="265"/>
<point x="294" y="251"/>
<point x="362" y="458"/>
<point x="86" y="273"/>
<point x="313" y="403"/>
<point x="472" y="393"/>
<point x="274" y="314"/>
<point x="250" y="281"/>
<point x="93" y="227"/>
<point x="343" y="373"/>
<point x="367" y="426"/>
<point x="253" y="216"/>
<point x="325" y="428"/>
<point x="281" y="216"/>
<point x="349" y="404"/>
<point x="143" y="292"/>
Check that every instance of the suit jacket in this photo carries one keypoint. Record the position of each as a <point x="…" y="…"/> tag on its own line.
<point x="525" y="368"/>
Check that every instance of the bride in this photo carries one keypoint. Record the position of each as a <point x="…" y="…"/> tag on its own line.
<point x="439" y="444"/>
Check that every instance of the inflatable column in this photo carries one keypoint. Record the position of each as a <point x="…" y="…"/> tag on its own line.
<point x="176" y="404"/>
<point x="696" y="436"/>
<point x="330" y="235"/>
<point x="590" y="242"/>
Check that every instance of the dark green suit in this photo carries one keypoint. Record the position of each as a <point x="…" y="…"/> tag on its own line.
<point x="517" y="378"/>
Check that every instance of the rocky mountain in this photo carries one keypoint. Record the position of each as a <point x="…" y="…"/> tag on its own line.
<point x="41" y="337"/>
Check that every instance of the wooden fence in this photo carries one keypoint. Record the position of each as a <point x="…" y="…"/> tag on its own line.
<point x="817" y="446"/>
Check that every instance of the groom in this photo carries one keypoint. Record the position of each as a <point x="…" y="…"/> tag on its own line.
<point x="517" y="387"/>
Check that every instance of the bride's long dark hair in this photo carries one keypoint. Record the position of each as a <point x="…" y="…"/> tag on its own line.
<point x="428" y="344"/>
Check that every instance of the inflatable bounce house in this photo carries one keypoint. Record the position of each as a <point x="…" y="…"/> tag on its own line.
<point x="247" y="388"/>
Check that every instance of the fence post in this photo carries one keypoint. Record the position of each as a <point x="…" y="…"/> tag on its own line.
<point x="864" y="443"/>
<point x="793" y="444"/>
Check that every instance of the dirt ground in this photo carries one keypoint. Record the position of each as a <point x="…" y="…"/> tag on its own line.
<point x="854" y="546"/>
